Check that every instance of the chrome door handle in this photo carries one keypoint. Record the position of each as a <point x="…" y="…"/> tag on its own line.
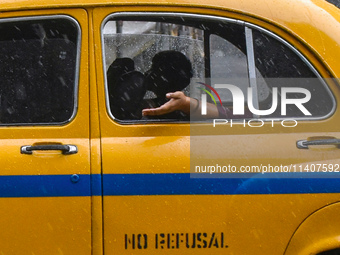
<point x="66" y="149"/>
<point x="303" y="144"/>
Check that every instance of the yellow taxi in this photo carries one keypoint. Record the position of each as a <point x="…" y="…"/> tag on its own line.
<point x="84" y="172"/>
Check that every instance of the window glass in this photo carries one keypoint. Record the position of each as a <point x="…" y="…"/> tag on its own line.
<point x="37" y="70"/>
<point x="279" y="66"/>
<point x="228" y="66"/>
<point x="145" y="60"/>
<point x="141" y="47"/>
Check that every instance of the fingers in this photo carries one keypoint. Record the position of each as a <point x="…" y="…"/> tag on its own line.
<point x="148" y="112"/>
<point x="173" y="104"/>
<point x="154" y="111"/>
<point x="175" y="95"/>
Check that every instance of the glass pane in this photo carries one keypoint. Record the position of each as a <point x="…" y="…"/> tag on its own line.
<point x="37" y="70"/>
<point x="145" y="60"/>
<point x="228" y="66"/>
<point x="278" y="66"/>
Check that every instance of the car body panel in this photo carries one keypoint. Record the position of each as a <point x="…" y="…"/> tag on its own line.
<point x="136" y="194"/>
<point x="43" y="210"/>
<point x="308" y="241"/>
<point x="150" y="203"/>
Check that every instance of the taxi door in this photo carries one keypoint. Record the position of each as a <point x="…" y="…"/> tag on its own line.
<point x="136" y="155"/>
<point x="45" y="195"/>
<point x="151" y="202"/>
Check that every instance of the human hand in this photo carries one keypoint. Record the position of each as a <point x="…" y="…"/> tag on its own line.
<point x="178" y="101"/>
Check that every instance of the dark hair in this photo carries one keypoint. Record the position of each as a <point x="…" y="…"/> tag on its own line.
<point x="170" y="71"/>
<point x="126" y="89"/>
<point x="119" y="67"/>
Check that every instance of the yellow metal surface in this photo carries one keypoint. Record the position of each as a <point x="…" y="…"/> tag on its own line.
<point x="171" y="224"/>
<point x="48" y="225"/>
<point x="247" y="224"/>
<point x="97" y="201"/>
<point x="58" y="225"/>
<point x="318" y="233"/>
<point x="201" y="224"/>
<point x="251" y="224"/>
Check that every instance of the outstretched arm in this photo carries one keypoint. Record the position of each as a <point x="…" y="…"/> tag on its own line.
<point x="179" y="101"/>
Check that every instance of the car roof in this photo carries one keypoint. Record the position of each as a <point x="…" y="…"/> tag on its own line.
<point x="315" y="22"/>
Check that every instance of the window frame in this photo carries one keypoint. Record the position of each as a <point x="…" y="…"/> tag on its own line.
<point x="77" y="65"/>
<point x="248" y="27"/>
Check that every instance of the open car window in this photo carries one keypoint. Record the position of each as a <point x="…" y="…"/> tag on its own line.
<point x="147" y="57"/>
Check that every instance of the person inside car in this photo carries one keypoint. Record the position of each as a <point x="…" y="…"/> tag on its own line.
<point x="170" y="71"/>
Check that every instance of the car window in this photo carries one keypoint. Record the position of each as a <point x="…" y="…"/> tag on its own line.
<point x="267" y="63"/>
<point x="219" y="51"/>
<point x="38" y="62"/>
<point x="279" y="66"/>
<point x="180" y="47"/>
<point x="131" y="48"/>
